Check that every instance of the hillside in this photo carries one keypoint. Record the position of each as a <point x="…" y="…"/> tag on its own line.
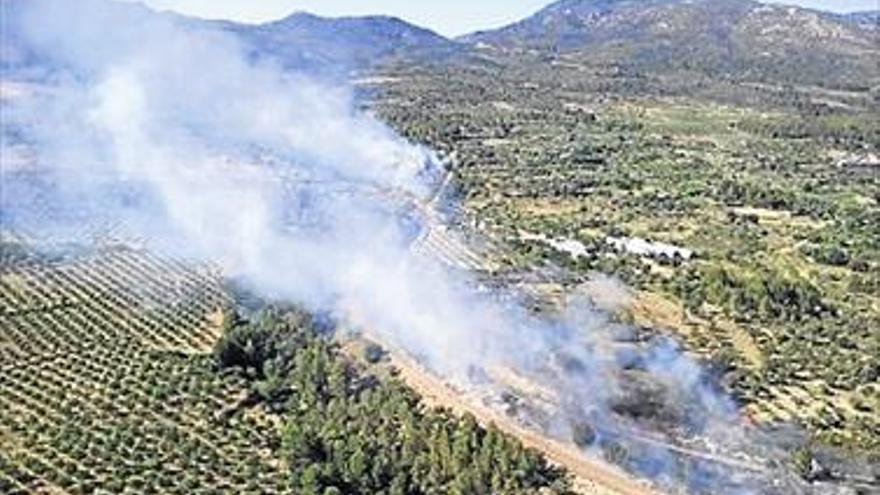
<point x="301" y="41"/>
<point x="341" y="44"/>
<point x="869" y="19"/>
<point x="741" y="39"/>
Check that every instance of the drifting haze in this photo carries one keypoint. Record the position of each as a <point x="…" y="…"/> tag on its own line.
<point x="213" y="155"/>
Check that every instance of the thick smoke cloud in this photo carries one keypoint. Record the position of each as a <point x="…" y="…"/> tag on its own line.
<point x="272" y="174"/>
<point x="170" y="127"/>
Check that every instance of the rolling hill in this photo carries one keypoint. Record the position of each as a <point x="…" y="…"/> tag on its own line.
<point x="302" y="41"/>
<point x="344" y="43"/>
<point x="735" y="39"/>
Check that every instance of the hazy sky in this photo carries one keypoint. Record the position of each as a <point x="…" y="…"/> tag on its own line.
<point x="449" y="17"/>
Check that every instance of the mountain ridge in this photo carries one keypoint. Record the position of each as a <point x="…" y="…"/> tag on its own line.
<point x="729" y="39"/>
<point x="344" y="43"/>
<point x="333" y="46"/>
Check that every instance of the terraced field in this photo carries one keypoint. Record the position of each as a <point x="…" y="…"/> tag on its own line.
<point x="107" y="384"/>
<point x="107" y="298"/>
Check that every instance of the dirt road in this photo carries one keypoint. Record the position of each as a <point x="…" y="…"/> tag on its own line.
<point x="590" y="476"/>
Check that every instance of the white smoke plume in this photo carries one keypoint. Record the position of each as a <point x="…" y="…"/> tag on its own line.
<point x="219" y="156"/>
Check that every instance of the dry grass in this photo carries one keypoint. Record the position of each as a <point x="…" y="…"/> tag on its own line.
<point x="653" y="310"/>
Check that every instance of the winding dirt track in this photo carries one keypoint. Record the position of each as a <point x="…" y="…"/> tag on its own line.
<point x="590" y="476"/>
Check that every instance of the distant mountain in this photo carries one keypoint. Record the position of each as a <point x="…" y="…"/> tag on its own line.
<point x="730" y="39"/>
<point x="344" y="43"/>
<point x="301" y="41"/>
<point x="869" y="19"/>
<point x="566" y="25"/>
<point x="738" y="39"/>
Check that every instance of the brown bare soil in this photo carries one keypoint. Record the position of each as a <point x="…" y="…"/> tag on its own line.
<point x="590" y="476"/>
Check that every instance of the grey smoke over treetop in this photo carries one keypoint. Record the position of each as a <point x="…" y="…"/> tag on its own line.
<point x="216" y="155"/>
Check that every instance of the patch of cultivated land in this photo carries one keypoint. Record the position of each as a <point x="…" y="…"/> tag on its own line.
<point x="107" y="381"/>
<point x="768" y="193"/>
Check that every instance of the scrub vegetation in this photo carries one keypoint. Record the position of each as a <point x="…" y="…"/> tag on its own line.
<point x="776" y="199"/>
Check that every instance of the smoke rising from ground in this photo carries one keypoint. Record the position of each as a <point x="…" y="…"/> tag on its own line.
<point x="171" y="128"/>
